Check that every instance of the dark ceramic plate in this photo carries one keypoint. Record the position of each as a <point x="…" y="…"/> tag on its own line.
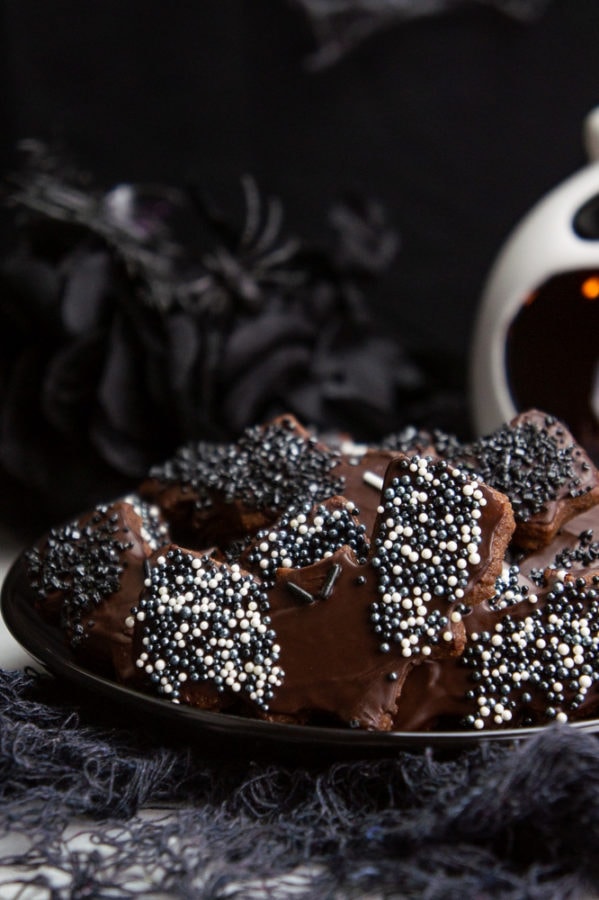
<point x="47" y="646"/>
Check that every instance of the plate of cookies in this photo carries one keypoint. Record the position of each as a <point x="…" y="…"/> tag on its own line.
<point x="309" y="592"/>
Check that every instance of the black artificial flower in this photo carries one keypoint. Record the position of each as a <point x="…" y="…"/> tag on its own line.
<point x="134" y="320"/>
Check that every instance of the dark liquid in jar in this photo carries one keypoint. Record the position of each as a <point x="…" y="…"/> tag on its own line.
<point x="552" y="354"/>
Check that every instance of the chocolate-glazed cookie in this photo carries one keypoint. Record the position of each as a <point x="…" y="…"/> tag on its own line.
<point x="220" y="493"/>
<point x="536" y="462"/>
<point x="350" y="632"/>
<point x="88" y="574"/>
<point x="574" y="548"/>
<point x="448" y="531"/>
<point x="331" y="654"/>
<point x="202" y="633"/>
<point x="532" y="657"/>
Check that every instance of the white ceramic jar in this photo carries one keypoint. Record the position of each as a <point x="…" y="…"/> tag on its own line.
<point x="536" y="338"/>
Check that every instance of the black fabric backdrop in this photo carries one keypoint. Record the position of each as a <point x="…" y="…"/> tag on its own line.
<point x="458" y="122"/>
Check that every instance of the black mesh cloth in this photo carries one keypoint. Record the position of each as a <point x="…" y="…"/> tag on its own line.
<point x="95" y="809"/>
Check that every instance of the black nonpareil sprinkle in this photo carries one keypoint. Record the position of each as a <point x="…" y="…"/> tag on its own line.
<point x="201" y="621"/>
<point x="305" y="535"/>
<point x="525" y="462"/>
<point x="582" y="555"/>
<point x="270" y="467"/>
<point x="83" y="560"/>
<point x="550" y="655"/>
<point x="426" y="544"/>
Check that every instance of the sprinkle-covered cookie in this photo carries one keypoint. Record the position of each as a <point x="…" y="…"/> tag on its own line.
<point x="88" y="573"/>
<point x="214" y="493"/>
<point x="203" y="632"/>
<point x="440" y="531"/>
<point x="531" y="658"/>
<point x="537" y="464"/>
<point x="534" y="668"/>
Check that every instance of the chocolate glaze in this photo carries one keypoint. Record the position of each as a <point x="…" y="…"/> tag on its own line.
<point x="329" y="652"/>
<point x="354" y="470"/>
<point x="575" y="547"/>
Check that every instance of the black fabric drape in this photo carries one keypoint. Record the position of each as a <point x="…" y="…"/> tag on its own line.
<point x="456" y="122"/>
